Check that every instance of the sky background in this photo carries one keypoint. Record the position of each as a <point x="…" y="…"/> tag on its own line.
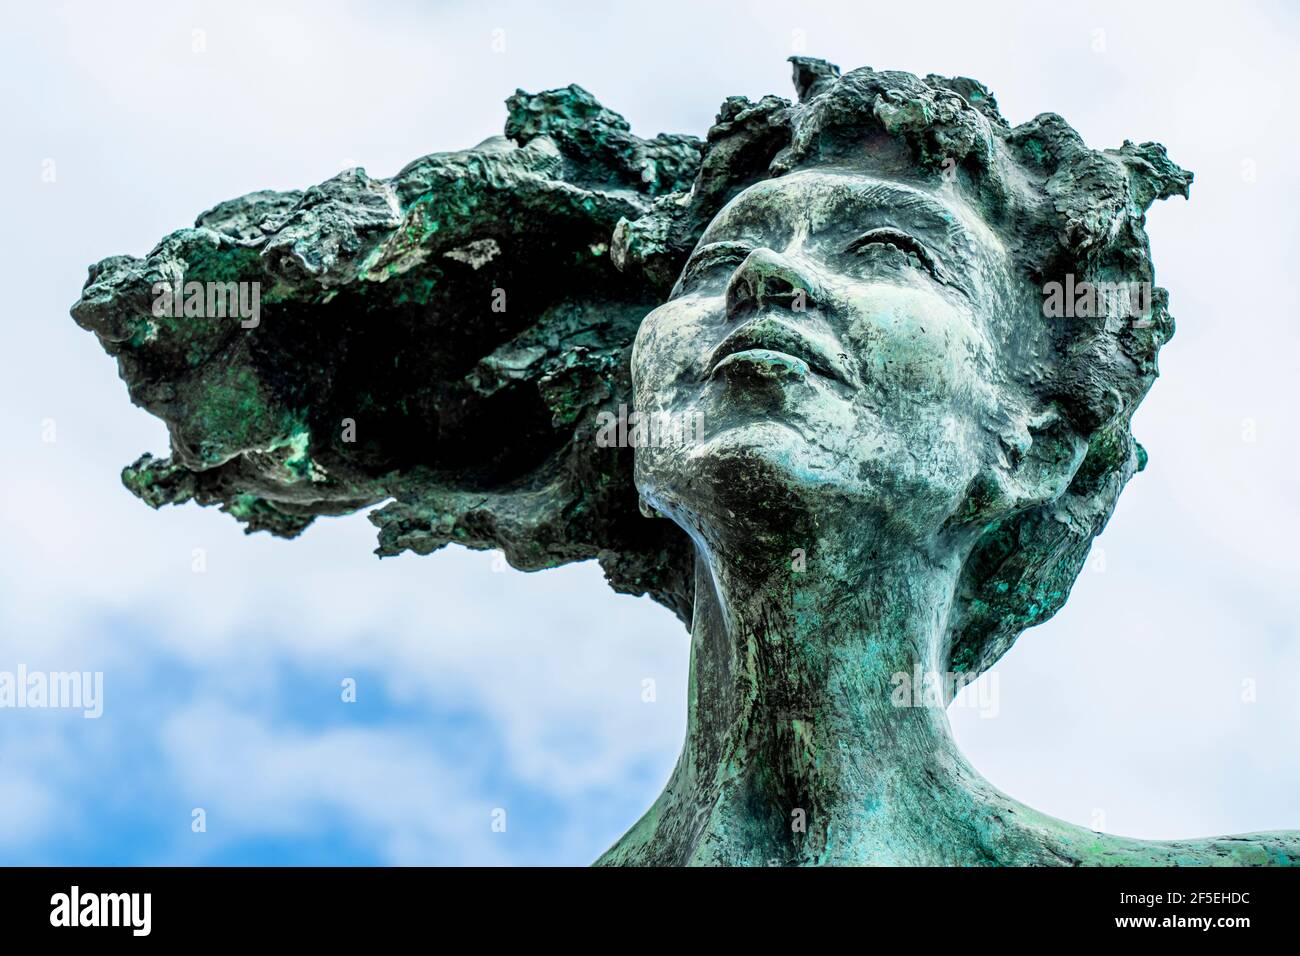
<point x="1162" y="702"/>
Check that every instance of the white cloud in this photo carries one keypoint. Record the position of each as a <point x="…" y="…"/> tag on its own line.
<point x="255" y="779"/>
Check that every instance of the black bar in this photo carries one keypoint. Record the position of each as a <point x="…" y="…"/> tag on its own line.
<point x="241" y="904"/>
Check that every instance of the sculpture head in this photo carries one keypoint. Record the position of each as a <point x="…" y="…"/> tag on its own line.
<point x="839" y="336"/>
<point x="863" y="335"/>
<point x="849" y="288"/>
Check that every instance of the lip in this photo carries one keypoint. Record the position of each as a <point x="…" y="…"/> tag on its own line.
<point x="768" y="340"/>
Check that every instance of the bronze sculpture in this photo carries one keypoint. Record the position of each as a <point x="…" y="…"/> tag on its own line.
<point x="903" y="451"/>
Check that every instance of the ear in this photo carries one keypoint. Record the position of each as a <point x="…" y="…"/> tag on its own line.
<point x="1040" y="456"/>
<point x="1035" y="459"/>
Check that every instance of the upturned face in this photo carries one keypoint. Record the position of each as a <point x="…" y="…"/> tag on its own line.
<point x="834" y="334"/>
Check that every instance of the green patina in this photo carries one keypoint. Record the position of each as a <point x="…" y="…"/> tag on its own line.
<point x="479" y="424"/>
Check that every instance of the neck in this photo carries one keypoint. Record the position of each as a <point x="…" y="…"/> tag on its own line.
<point x="816" y="734"/>
<point x="809" y="739"/>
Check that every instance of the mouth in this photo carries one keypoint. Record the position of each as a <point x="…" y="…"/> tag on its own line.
<point x="775" y="345"/>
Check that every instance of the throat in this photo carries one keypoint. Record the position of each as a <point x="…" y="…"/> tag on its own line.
<point x="809" y="739"/>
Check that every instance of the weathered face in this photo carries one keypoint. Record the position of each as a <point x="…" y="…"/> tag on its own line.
<point x="833" y="334"/>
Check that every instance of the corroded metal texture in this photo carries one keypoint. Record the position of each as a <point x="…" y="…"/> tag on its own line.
<point x="903" y="434"/>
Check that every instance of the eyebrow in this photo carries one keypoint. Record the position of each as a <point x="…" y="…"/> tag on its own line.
<point x="906" y="207"/>
<point x="878" y="200"/>
<point x="968" y="252"/>
<point x="888" y="197"/>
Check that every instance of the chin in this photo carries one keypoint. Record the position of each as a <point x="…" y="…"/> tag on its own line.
<point x="758" y="445"/>
<point x="753" y="475"/>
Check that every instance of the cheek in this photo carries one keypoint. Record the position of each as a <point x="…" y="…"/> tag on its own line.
<point x="925" y="372"/>
<point x="913" y="347"/>
<point x="669" y="350"/>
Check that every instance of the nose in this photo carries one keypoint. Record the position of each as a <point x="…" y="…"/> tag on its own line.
<point x="766" y="279"/>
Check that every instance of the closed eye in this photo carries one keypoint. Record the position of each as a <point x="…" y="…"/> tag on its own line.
<point x="885" y="236"/>
<point x="715" y="254"/>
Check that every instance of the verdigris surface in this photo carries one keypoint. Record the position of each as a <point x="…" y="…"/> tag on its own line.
<point x="902" y="456"/>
